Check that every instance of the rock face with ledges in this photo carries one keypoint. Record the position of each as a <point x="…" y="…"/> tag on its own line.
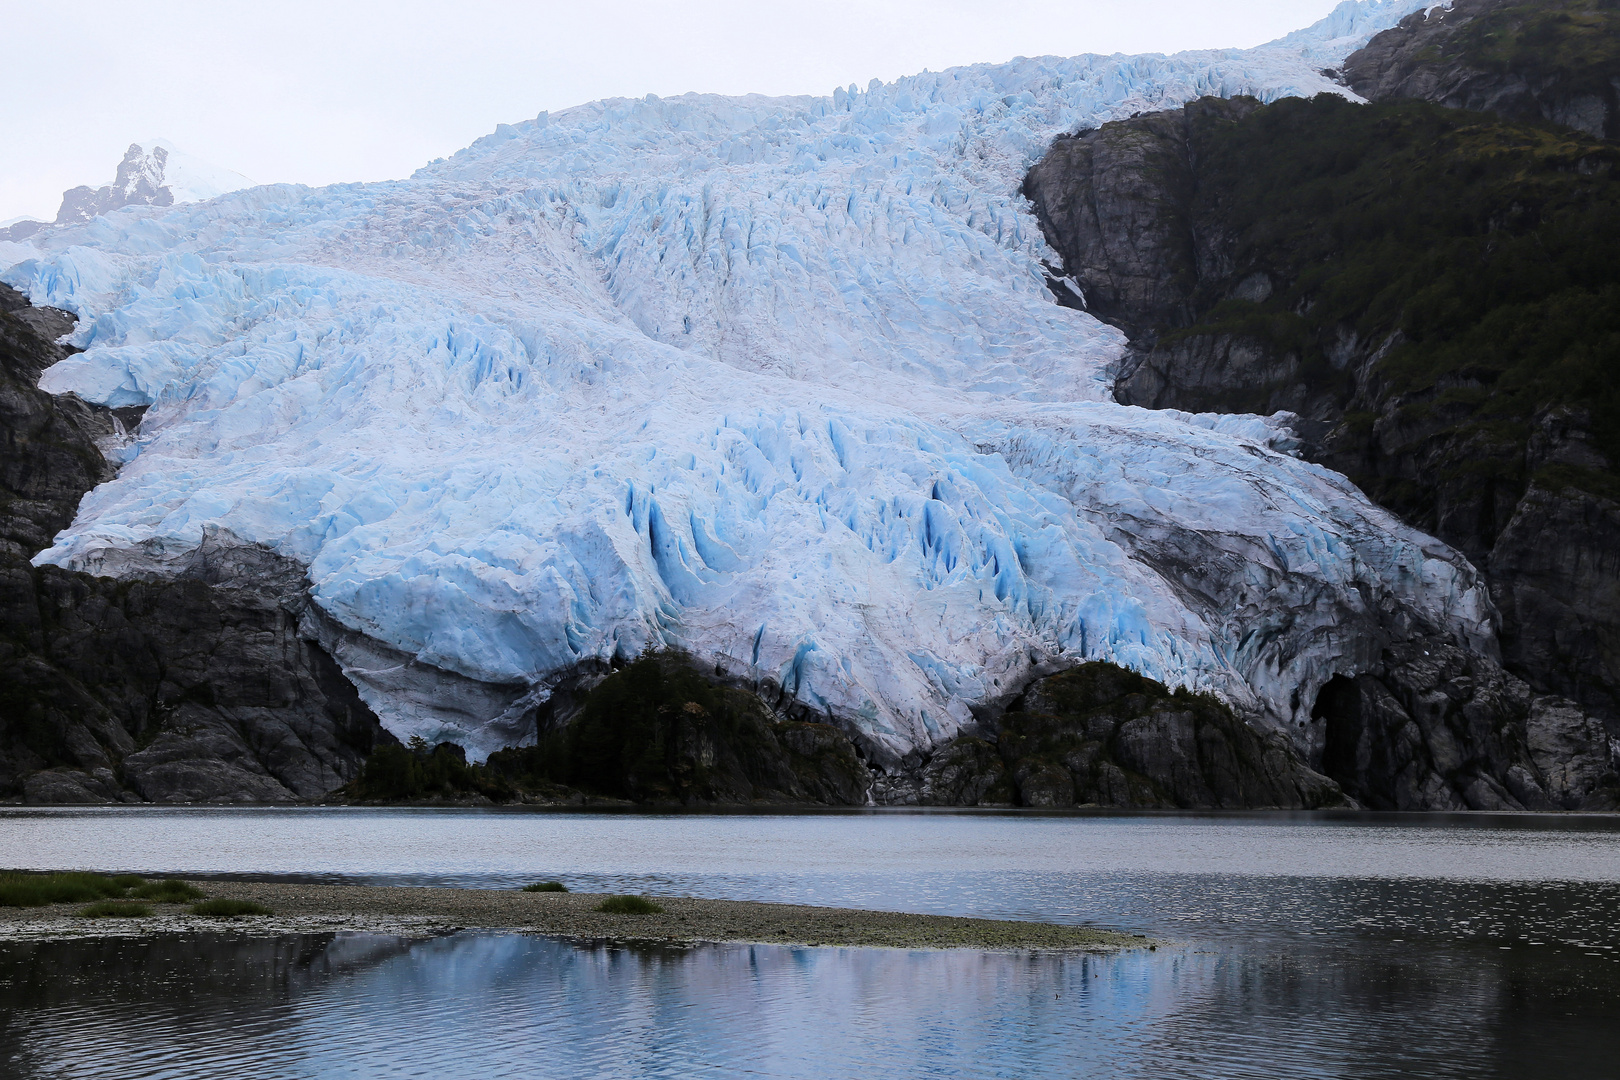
<point x="1555" y="570"/>
<point x="139" y="183"/>
<point x="1119" y="197"/>
<point x="1436" y="729"/>
<point x="665" y="729"/>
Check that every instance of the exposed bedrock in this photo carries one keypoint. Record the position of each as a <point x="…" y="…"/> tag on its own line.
<point x="1556" y="61"/>
<point x="664" y="729"/>
<point x="191" y="685"/>
<point x="1261" y="265"/>
<point x="1100" y="735"/>
<point x="1433" y="728"/>
<point x="1096" y="734"/>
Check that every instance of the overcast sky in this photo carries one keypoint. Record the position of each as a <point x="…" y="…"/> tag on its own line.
<point x="319" y="91"/>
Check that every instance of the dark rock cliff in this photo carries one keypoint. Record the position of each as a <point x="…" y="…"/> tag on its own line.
<point x="1432" y="728"/>
<point x="1556" y="61"/>
<point x="194" y="685"/>
<point x="1434" y="294"/>
<point x="663" y="730"/>
<point x="1100" y="735"/>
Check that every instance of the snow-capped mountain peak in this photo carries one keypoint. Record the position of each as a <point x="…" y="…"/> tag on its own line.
<point x="152" y="173"/>
<point x="190" y="178"/>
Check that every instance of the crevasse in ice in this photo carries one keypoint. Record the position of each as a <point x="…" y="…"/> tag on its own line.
<point x="774" y="379"/>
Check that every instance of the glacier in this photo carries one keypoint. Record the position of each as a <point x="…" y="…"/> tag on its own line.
<point x="775" y="380"/>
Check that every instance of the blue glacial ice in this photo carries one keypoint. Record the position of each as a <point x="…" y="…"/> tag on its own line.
<point x="774" y="379"/>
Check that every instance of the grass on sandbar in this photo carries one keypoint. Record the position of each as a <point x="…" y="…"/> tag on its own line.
<point x="229" y="909"/>
<point x="37" y="890"/>
<point x="171" y="891"/>
<point x="115" y="909"/>
<point x="629" y="905"/>
<point x="546" y="886"/>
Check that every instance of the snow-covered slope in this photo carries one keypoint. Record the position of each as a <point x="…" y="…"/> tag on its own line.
<point x="776" y="379"/>
<point x="194" y="179"/>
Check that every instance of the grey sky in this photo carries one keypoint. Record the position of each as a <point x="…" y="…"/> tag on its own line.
<point x="318" y="91"/>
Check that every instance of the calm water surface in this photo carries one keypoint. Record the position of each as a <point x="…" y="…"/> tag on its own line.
<point x="1309" y="945"/>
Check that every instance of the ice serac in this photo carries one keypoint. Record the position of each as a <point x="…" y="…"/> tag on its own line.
<point x="777" y="380"/>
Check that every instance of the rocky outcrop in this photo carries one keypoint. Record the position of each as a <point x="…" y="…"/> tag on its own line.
<point x="1099" y="735"/>
<point x="139" y="182"/>
<point x="662" y="731"/>
<point x="1127" y="209"/>
<point x="1289" y="257"/>
<point x="656" y="731"/>
<point x="48" y="452"/>
<point x="1118" y="199"/>
<point x="21" y="230"/>
<point x="1432" y="728"/>
<point x="1556" y="61"/>
<point x="199" y="684"/>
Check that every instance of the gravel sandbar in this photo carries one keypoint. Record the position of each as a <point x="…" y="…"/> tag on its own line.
<point x="416" y="912"/>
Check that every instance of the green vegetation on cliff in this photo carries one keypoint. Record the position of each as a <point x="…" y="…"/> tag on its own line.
<point x="662" y="731"/>
<point x="659" y="730"/>
<point x="1098" y="734"/>
<point x="1544" y="39"/>
<point x="1487" y="247"/>
<point x="1542" y="61"/>
<point x="1434" y="292"/>
<point x="416" y="772"/>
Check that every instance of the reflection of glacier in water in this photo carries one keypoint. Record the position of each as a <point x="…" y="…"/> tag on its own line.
<point x="489" y="1005"/>
<point x="778" y="379"/>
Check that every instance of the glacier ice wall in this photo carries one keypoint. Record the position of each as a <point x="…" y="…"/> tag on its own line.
<point x="775" y="379"/>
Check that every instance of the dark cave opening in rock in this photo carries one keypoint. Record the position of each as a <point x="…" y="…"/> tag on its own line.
<point x="1339" y="704"/>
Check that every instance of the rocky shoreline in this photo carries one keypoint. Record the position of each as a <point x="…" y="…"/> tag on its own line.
<point x="417" y="912"/>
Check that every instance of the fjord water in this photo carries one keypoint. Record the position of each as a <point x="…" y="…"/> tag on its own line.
<point x="1298" y="945"/>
